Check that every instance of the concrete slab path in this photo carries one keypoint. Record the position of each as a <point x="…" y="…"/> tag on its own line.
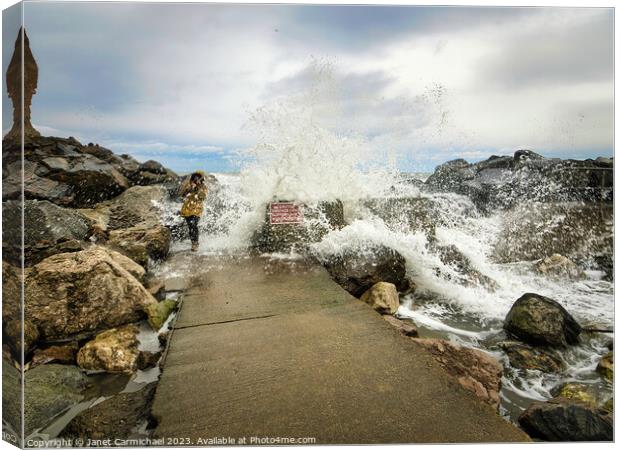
<point x="269" y="349"/>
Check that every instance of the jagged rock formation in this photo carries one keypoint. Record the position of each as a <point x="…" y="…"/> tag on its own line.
<point x="505" y="181"/>
<point x="14" y="76"/>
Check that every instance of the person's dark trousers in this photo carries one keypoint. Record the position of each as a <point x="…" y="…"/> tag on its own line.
<point x="192" y="224"/>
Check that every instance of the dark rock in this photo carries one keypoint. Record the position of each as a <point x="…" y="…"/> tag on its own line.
<point x="451" y="256"/>
<point x="562" y="419"/>
<point x="357" y="270"/>
<point x="502" y="182"/>
<point x="59" y="354"/>
<point x="153" y="167"/>
<point x="523" y="356"/>
<point x="539" y="320"/>
<point x="51" y="389"/>
<point x="115" y="418"/>
<point x="406" y="327"/>
<point x="606" y="366"/>
<point x="474" y="370"/>
<point x="50" y="229"/>
<point x="148" y="359"/>
<point x="163" y="338"/>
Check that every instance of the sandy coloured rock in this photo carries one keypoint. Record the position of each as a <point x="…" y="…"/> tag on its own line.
<point x="83" y="292"/>
<point x="383" y="297"/>
<point x="113" y="351"/>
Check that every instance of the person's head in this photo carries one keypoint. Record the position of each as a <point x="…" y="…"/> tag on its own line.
<point x="197" y="177"/>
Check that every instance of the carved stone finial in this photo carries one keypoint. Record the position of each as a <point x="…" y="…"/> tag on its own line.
<point x="14" y="86"/>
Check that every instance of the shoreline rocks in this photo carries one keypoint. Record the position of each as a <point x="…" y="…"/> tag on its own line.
<point x="539" y="320"/>
<point x="358" y="270"/>
<point x="605" y="366"/>
<point x="523" y="356"/>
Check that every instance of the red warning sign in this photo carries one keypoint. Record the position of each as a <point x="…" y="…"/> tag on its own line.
<point x="285" y="213"/>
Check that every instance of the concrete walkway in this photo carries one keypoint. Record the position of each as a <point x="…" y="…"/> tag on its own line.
<point x="266" y="349"/>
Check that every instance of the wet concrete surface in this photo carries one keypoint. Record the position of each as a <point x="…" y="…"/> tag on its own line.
<point x="265" y="348"/>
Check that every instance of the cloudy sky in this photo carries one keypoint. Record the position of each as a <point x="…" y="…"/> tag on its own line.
<point x="180" y="82"/>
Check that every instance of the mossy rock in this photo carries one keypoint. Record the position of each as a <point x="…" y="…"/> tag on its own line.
<point x="608" y="406"/>
<point x="606" y="366"/>
<point x="158" y="312"/>
<point x="578" y="392"/>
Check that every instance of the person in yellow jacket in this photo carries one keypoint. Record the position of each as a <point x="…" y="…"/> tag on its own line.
<point x="194" y="192"/>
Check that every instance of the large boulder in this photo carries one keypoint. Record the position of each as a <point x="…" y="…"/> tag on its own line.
<point x="83" y="292"/>
<point x="539" y="320"/>
<point x="357" y="270"/>
<point x="475" y="370"/>
<point x="318" y="220"/>
<point x="383" y="297"/>
<point x="51" y="389"/>
<point x="12" y="399"/>
<point x="523" y="356"/>
<point x="113" y="351"/>
<point x="563" y="419"/>
<point x="142" y="242"/>
<point x="577" y="391"/>
<point x="49" y="229"/>
<point x="114" y="418"/>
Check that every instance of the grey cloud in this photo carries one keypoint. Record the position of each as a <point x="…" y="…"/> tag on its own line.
<point x="552" y="54"/>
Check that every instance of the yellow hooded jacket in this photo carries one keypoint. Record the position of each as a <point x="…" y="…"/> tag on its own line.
<point x="194" y="199"/>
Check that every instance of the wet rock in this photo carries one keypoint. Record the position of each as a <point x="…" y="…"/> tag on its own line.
<point x="113" y="351"/>
<point x="562" y="419"/>
<point x="383" y="298"/>
<point x="115" y="418"/>
<point x="451" y="256"/>
<point x="415" y="214"/>
<point x="558" y="266"/>
<point x="523" y="356"/>
<point x="502" y="181"/>
<point x="82" y="292"/>
<point x="142" y="242"/>
<point x="59" y="354"/>
<point x="539" y="320"/>
<point x="357" y="270"/>
<point x="51" y="389"/>
<point x="48" y="227"/>
<point x="406" y="327"/>
<point x="163" y="338"/>
<point x="137" y="205"/>
<point x="148" y="359"/>
<point x="474" y="370"/>
<point x="581" y="232"/>
<point x="606" y="366"/>
<point x="576" y="391"/>
<point x="318" y="220"/>
<point x="158" y="312"/>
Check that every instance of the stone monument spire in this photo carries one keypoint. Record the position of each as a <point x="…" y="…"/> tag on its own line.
<point x="14" y="86"/>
